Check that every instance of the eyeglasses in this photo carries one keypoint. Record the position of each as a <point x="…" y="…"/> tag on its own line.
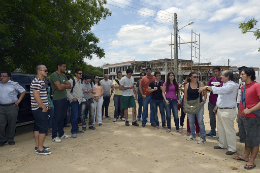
<point x="80" y="73"/>
<point x="3" y="76"/>
<point x="44" y="70"/>
<point x="96" y="78"/>
<point x="171" y="75"/>
<point x="195" y="77"/>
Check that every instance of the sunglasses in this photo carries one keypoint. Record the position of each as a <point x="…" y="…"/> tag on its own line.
<point x="44" y="70"/>
<point x="195" y="77"/>
<point x="80" y="73"/>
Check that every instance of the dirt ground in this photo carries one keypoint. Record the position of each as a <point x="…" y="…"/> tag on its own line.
<point x="114" y="147"/>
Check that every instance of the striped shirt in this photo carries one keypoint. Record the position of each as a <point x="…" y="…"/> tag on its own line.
<point x="38" y="85"/>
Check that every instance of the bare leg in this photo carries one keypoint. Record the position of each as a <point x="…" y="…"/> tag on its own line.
<point x="246" y="154"/>
<point x="41" y="140"/>
<point x="126" y="113"/>
<point x="254" y="151"/>
<point x="36" y="137"/>
<point x="134" y="113"/>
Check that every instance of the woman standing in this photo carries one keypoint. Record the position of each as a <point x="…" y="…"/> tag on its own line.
<point x="98" y="99"/>
<point x="191" y="92"/>
<point x="171" y="96"/>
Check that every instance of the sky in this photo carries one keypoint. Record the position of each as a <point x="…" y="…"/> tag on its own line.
<point x="141" y="30"/>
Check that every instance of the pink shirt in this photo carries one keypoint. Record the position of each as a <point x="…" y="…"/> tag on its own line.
<point x="171" y="93"/>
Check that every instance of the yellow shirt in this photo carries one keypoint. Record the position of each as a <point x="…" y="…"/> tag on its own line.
<point x="117" y="91"/>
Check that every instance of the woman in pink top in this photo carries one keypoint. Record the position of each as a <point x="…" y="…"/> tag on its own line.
<point x="98" y="99"/>
<point x="171" y="95"/>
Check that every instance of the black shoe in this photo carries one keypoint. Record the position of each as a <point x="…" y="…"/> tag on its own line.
<point x="143" y="124"/>
<point x="2" y="143"/>
<point x="11" y="143"/>
<point x="127" y="123"/>
<point x="92" y="128"/>
<point x="153" y="124"/>
<point x="237" y="134"/>
<point x="67" y="125"/>
<point x="45" y="148"/>
<point x="43" y="152"/>
<point x="108" y="117"/>
<point x="80" y="131"/>
<point x="84" y="128"/>
<point x="134" y="123"/>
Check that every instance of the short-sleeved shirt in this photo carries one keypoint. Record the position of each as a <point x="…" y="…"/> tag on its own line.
<point x="57" y="95"/>
<point x="88" y="86"/>
<point x="156" y="95"/>
<point x="126" y="82"/>
<point x="145" y="82"/>
<point x="106" y="86"/>
<point x="38" y="85"/>
<point x="117" y="91"/>
<point x="252" y="93"/>
<point x="240" y="84"/>
<point x="217" y="83"/>
<point x="171" y="93"/>
<point x="139" y="95"/>
<point x="9" y="92"/>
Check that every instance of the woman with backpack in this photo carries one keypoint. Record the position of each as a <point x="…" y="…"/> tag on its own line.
<point x="193" y="104"/>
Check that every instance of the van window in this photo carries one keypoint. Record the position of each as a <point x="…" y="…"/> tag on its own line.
<point x="22" y="80"/>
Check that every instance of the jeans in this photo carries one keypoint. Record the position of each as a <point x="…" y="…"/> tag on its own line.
<point x="140" y="110"/>
<point x="145" y="110"/>
<point x="200" y="121"/>
<point x="59" y="116"/>
<point x="155" y="104"/>
<point x="88" y="105"/>
<point x="68" y="112"/>
<point x="51" y="114"/>
<point x="174" y="107"/>
<point x="118" y="109"/>
<point x="212" y="118"/>
<point x="105" y="105"/>
<point x="75" y="114"/>
<point x="182" y="115"/>
<point x="98" y="110"/>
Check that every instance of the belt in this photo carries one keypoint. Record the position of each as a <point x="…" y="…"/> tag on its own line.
<point x="89" y="99"/>
<point x="227" y="108"/>
<point x="7" y="104"/>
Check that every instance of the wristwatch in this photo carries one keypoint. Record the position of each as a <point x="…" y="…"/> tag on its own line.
<point x="207" y="87"/>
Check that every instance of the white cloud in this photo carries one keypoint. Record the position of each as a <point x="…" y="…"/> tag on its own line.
<point x="238" y="20"/>
<point x="146" y="12"/>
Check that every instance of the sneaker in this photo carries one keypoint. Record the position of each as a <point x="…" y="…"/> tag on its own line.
<point x="211" y="135"/>
<point x="108" y="117"/>
<point x="115" y="119"/>
<point x="123" y="119"/>
<point x="153" y="124"/>
<point x="65" y="136"/>
<point x="74" y="135"/>
<point x="138" y="119"/>
<point x="80" y="131"/>
<point x="43" y="152"/>
<point x="134" y="123"/>
<point x="190" y="138"/>
<point x="127" y="123"/>
<point x="202" y="141"/>
<point x="84" y="128"/>
<point x="57" y="139"/>
<point x="143" y="124"/>
<point x="45" y="148"/>
<point x="92" y="128"/>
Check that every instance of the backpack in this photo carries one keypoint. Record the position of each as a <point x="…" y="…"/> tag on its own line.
<point x="73" y="85"/>
<point x="117" y="81"/>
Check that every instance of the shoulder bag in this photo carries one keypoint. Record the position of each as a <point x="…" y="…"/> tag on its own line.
<point x="193" y="106"/>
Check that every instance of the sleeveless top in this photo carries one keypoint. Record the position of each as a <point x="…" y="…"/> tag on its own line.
<point x="193" y="94"/>
<point x="97" y="89"/>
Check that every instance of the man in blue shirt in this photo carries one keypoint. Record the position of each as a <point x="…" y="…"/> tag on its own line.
<point x="9" y="107"/>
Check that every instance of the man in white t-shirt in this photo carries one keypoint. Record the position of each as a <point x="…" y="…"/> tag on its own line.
<point x="127" y="98"/>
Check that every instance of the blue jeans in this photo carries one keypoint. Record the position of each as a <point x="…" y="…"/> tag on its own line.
<point x="68" y="112"/>
<point x="182" y="115"/>
<point x="59" y="116"/>
<point x="199" y="116"/>
<point x="75" y="114"/>
<point x="155" y="104"/>
<point x="105" y="105"/>
<point x="173" y="106"/>
<point x="145" y="110"/>
<point x="51" y="114"/>
<point x="140" y="110"/>
<point x="118" y="109"/>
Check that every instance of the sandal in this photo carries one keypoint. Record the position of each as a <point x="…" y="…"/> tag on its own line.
<point x="239" y="158"/>
<point x="165" y="127"/>
<point x="157" y="127"/>
<point x="169" y="130"/>
<point x="188" y="134"/>
<point x="218" y="147"/>
<point x="248" y="167"/>
<point x="179" y="131"/>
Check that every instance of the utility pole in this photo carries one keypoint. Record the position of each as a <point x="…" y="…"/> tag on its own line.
<point x="171" y="52"/>
<point x="191" y="49"/>
<point x="175" y="47"/>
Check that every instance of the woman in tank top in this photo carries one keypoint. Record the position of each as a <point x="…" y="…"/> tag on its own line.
<point x="98" y="99"/>
<point x="191" y="92"/>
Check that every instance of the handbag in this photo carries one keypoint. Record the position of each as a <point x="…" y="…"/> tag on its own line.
<point x="257" y="112"/>
<point x="193" y="106"/>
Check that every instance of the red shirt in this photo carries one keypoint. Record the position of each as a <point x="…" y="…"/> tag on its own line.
<point x="252" y="93"/>
<point x="145" y="84"/>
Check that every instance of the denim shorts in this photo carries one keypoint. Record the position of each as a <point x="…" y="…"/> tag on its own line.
<point x="249" y="131"/>
<point x="41" y="121"/>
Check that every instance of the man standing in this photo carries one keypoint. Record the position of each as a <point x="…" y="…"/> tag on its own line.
<point x="40" y="106"/>
<point x="117" y="98"/>
<point x="88" y="103"/>
<point x="226" y="105"/>
<point x="214" y="81"/>
<point x="75" y="96"/>
<point x="128" y="99"/>
<point x="59" y="84"/>
<point x="147" y="97"/>
<point x="107" y="84"/>
<point x="139" y="97"/>
<point x="155" y="87"/>
<point x="9" y="107"/>
<point x="249" y="120"/>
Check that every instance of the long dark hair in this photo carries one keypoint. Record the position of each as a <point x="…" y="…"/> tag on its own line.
<point x="168" y="82"/>
<point x="94" y="80"/>
<point x="188" y="79"/>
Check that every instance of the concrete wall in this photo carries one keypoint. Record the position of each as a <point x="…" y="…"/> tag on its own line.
<point x="257" y="79"/>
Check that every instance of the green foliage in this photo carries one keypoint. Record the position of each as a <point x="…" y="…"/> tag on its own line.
<point x="46" y="31"/>
<point x="246" y="26"/>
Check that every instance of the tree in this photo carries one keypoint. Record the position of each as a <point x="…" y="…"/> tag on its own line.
<point x="46" y="31"/>
<point x="246" y="26"/>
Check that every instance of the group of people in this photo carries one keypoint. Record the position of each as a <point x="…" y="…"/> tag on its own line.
<point x="94" y="96"/>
